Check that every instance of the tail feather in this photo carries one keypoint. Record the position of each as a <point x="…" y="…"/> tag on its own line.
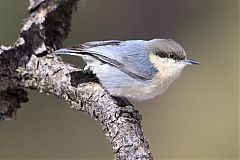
<point x="67" y="51"/>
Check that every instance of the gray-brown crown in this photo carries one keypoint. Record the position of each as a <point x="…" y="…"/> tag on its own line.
<point x="167" y="48"/>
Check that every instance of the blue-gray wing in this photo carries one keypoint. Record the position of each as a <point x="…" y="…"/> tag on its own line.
<point x="129" y="57"/>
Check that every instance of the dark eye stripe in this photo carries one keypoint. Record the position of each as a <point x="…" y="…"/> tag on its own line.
<point x="170" y="55"/>
<point x="162" y="54"/>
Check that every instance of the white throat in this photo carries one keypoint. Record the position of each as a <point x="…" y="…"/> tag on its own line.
<point x="169" y="71"/>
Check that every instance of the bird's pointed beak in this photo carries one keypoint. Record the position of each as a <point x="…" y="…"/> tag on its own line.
<point x="190" y="61"/>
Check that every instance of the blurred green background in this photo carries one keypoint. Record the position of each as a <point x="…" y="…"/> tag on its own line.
<point x="198" y="116"/>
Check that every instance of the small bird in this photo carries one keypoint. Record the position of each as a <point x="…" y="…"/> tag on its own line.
<point x="135" y="69"/>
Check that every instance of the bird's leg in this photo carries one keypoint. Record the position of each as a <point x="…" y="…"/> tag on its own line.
<point x="123" y="101"/>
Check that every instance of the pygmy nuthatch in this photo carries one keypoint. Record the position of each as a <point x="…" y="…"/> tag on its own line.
<point x="135" y="69"/>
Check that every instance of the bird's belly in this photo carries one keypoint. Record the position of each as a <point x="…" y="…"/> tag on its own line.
<point x="143" y="90"/>
<point x="136" y="90"/>
<point x="147" y="90"/>
<point x="120" y="84"/>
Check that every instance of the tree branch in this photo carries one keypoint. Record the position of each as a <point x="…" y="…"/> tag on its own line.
<point x="30" y="64"/>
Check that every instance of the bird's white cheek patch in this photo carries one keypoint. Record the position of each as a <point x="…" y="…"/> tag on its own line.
<point x="161" y="62"/>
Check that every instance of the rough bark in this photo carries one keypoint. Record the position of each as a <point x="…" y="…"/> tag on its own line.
<point x="29" y="63"/>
